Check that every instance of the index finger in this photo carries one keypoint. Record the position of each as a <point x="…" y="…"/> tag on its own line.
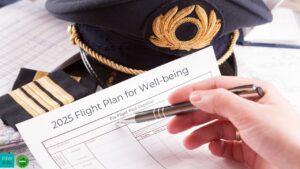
<point x="226" y="82"/>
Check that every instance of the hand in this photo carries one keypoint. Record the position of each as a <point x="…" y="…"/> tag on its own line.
<point x="269" y="127"/>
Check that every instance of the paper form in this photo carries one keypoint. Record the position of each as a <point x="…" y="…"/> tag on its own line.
<point x="30" y="37"/>
<point x="84" y="134"/>
<point x="284" y="29"/>
<point x="279" y="67"/>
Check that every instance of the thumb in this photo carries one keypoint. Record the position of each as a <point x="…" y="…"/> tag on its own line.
<point x="226" y="104"/>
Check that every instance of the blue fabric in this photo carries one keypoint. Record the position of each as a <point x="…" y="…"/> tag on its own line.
<point x="6" y="2"/>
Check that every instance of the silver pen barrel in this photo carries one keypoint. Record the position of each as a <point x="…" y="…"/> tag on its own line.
<point x="164" y="112"/>
<point x="246" y="91"/>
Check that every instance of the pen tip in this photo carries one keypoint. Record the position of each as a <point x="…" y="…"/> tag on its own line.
<point x="126" y="121"/>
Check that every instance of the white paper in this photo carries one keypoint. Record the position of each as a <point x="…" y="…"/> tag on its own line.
<point x="283" y="29"/>
<point x="95" y="141"/>
<point x="272" y="4"/>
<point x="279" y="67"/>
<point x="30" y="37"/>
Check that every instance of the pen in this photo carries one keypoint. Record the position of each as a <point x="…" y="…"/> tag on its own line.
<point x="246" y="91"/>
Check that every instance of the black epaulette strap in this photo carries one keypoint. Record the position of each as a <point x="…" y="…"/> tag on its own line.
<point x="41" y="96"/>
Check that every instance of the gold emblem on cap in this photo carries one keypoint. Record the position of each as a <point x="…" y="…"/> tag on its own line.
<point x="165" y="26"/>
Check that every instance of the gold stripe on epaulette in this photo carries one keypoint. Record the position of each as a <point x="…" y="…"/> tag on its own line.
<point x="58" y="92"/>
<point x="77" y="78"/>
<point x="111" y="79"/>
<point x="39" y="95"/>
<point x="39" y="74"/>
<point x="27" y="103"/>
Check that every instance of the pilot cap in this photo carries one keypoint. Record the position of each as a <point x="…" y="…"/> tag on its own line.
<point x="122" y="38"/>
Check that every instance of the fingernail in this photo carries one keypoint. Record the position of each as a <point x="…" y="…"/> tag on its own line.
<point x="195" y="97"/>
